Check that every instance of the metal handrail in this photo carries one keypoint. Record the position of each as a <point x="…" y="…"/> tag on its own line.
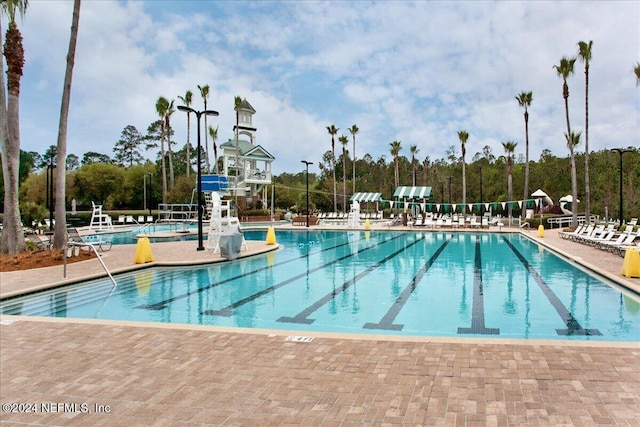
<point x="95" y="250"/>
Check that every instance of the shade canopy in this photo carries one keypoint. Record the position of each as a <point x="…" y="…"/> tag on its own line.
<point x="539" y="193"/>
<point x="413" y="193"/>
<point x="366" y="197"/>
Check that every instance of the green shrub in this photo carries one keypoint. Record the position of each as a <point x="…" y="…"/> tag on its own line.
<point x="257" y="212"/>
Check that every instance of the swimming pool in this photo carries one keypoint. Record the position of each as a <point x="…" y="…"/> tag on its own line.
<point x="368" y="282"/>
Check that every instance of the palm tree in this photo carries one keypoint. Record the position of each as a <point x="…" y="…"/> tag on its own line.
<point x="12" y="237"/>
<point x="204" y="92"/>
<point x="509" y="148"/>
<point x="396" y="146"/>
<point x="213" y="133"/>
<point x="584" y="52"/>
<point x="354" y="129"/>
<point x="333" y="130"/>
<point x="60" y="231"/>
<point x="564" y="70"/>
<point x="167" y="121"/>
<point x="186" y="100"/>
<point x="414" y="150"/>
<point x="636" y="71"/>
<point x="524" y="100"/>
<point x="344" y="141"/>
<point x="463" y="135"/>
<point x="162" y="105"/>
<point x="573" y="139"/>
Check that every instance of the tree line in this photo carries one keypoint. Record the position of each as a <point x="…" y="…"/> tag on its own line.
<point x="123" y="186"/>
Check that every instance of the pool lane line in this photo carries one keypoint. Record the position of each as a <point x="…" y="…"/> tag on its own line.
<point x="386" y="323"/>
<point x="229" y="310"/>
<point x="161" y="305"/>
<point x="573" y="326"/>
<point x="477" y="310"/>
<point x="302" y="317"/>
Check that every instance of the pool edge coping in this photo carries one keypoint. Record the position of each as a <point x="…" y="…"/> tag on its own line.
<point x="316" y="334"/>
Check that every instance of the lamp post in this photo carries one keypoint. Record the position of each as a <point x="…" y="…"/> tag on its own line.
<point x="620" y="152"/>
<point x="199" y="183"/>
<point x="480" y="189"/>
<point x="449" y="178"/>
<point x="441" y="191"/>
<point x="144" y="192"/>
<point x="307" y="165"/>
<point x="50" y="203"/>
<point x="144" y="181"/>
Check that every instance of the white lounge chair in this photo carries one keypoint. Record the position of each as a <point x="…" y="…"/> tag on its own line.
<point x="95" y="241"/>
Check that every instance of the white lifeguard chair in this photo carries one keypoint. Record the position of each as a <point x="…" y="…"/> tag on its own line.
<point x="99" y="221"/>
<point x="353" y="220"/>
<point x="219" y="221"/>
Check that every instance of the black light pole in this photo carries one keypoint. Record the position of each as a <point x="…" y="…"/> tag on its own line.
<point x="620" y="152"/>
<point x="50" y="192"/>
<point x="307" y="165"/>
<point x="441" y="191"/>
<point x="480" y="189"/>
<point x="149" y="203"/>
<point x="449" y="178"/>
<point x="199" y="183"/>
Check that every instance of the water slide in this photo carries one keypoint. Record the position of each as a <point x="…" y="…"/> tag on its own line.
<point x="547" y="203"/>
<point x="565" y="204"/>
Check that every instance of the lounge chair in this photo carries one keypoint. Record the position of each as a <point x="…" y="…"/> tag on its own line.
<point x="94" y="241"/>
<point x="596" y="241"/>
<point x="596" y="233"/>
<point x="586" y="231"/>
<point x="567" y="235"/>
<point x="37" y="242"/>
<point x="631" y="241"/>
<point x="393" y="221"/>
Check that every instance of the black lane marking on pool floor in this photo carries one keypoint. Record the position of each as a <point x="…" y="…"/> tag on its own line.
<point x="161" y="305"/>
<point x="229" y="310"/>
<point x="386" y="322"/>
<point x="477" y="310"/>
<point x="302" y="316"/>
<point x="573" y="326"/>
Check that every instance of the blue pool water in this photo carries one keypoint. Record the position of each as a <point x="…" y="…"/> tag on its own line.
<point x="400" y="283"/>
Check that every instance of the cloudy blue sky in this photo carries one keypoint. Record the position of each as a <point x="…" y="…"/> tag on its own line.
<point x="416" y="72"/>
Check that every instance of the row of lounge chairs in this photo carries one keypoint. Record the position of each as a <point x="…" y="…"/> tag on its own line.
<point x="129" y="219"/>
<point x="39" y="242"/>
<point x="445" y="221"/>
<point x="450" y="222"/>
<point x="605" y="237"/>
<point x="345" y="215"/>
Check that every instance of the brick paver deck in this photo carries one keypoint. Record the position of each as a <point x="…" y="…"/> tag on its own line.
<point x="119" y="373"/>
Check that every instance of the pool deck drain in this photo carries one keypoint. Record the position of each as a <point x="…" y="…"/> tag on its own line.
<point x="193" y="375"/>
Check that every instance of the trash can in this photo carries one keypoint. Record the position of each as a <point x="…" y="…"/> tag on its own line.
<point x="231" y="242"/>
